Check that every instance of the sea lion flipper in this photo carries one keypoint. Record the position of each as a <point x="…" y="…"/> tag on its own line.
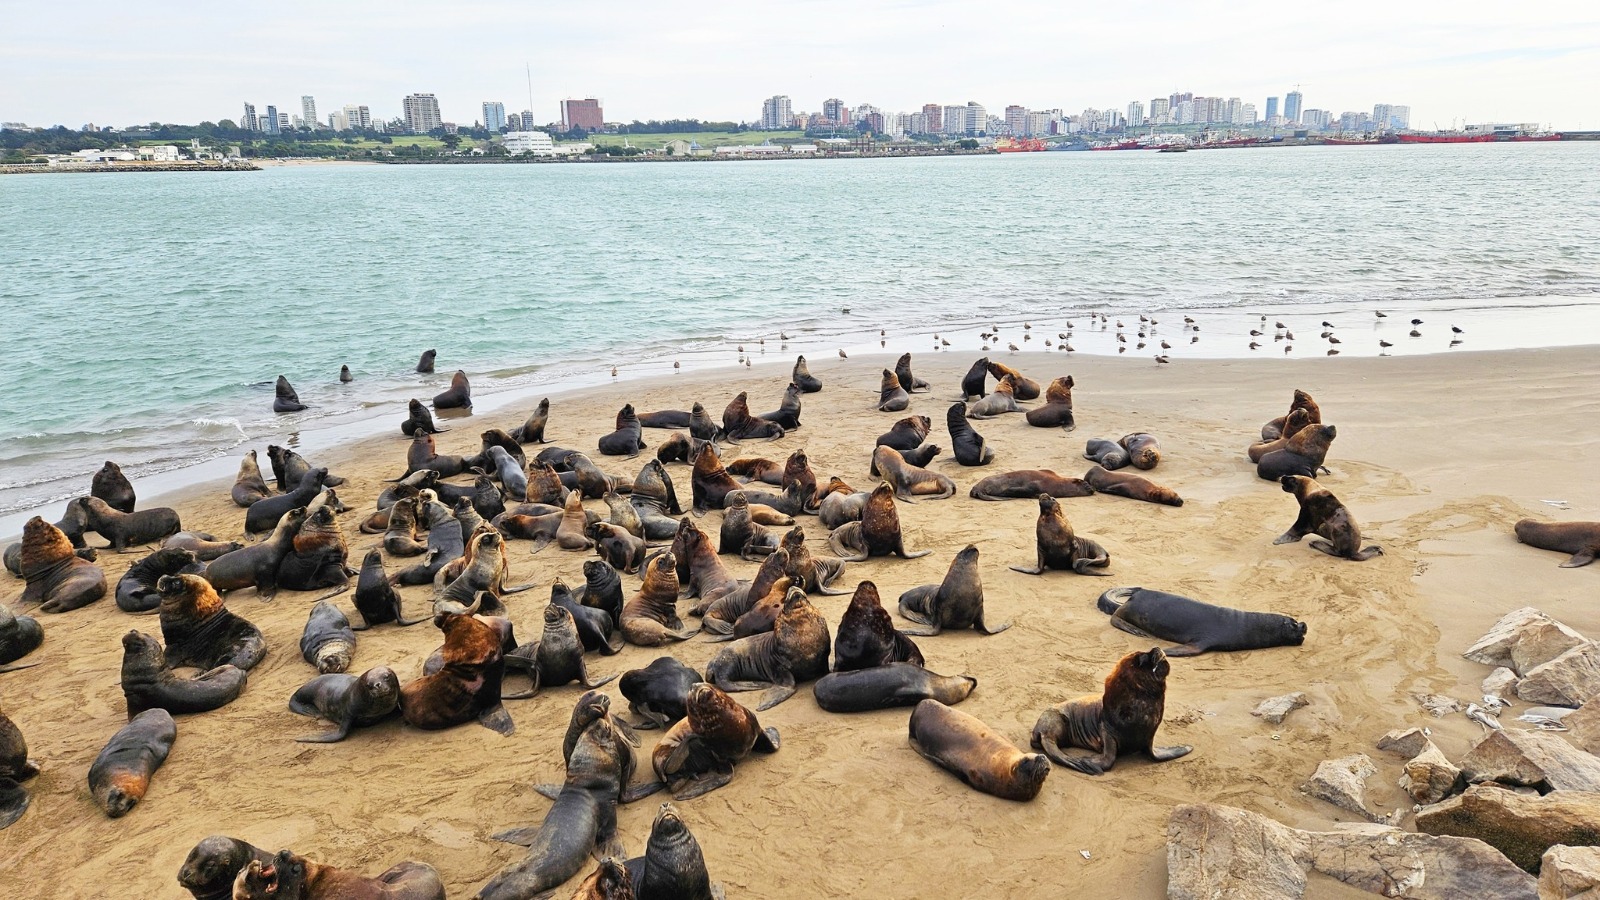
<point x="779" y="692"/>
<point x="1047" y="744"/>
<point x="549" y="791"/>
<point x="13" y="801"/>
<point x="704" y="783"/>
<point x="985" y="629"/>
<point x="522" y="837"/>
<point x="540" y="542"/>
<point x="1165" y="754"/>
<point x="1183" y="649"/>
<point x="641" y="791"/>
<point x="1038" y="570"/>
<point x="767" y="741"/>
<point x="32" y="664"/>
<point x="1084" y="566"/>
<point x="326" y="737"/>
<point x="1122" y="624"/>
<point x="1580" y="559"/>
<point x="496" y="719"/>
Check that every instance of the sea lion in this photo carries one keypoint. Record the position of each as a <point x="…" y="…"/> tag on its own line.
<point x="767" y="507"/>
<point x="199" y="631"/>
<point x="676" y="448"/>
<point x="739" y="534"/>
<point x="264" y="515"/>
<point x="121" y="774"/>
<point x="602" y="589"/>
<point x="788" y="412"/>
<point x="204" y="546"/>
<point x="1197" y="627"/>
<point x="1293" y="424"/>
<point x="572" y="533"/>
<point x="292" y="877"/>
<point x="954" y="604"/>
<point x="344" y="375"/>
<point x="544" y="485"/>
<point x="617" y="547"/>
<point x="319" y="554"/>
<point x="419" y="419"/>
<point x="147" y="682"/>
<point x="1302" y="454"/>
<point x="249" y="486"/>
<point x="376" y="599"/>
<point x="975" y="753"/>
<point x="907" y="434"/>
<point x="423" y="454"/>
<point x="458" y="396"/>
<point x="699" y="570"/>
<point x="911" y="383"/>
<point x="795" y="651"/>
<point x="802" y="377"/>
<point x="608" y="881"/>
<point x="467" y="686"/>
<point x="672" y="868"/>
<point x="285" y="400"/>
<point x="1109" y="455"/>
<point x="494" y="437"/>
<point x="401" y="537"/>
<point x="627" y="440"/>
<point x="891" y="396"/>
<point x="483" y="567"/>
<point x="887" y="686"/>
<point x="348" y="701"/>
<point x="738" y="424"/>
<point x="972" y="384"/>
<point x="425" y="364"/>
<point x="837" y="509"/>
<point x="655" y="498"/>
<point x="1028" y="484"/>
<point x="877" y="534"/>
<point x="999" y="402"/>
<point x="446" y="544"/>
<point x="659" y="692"/>
<point x="595" y="625"/>
<point x="211" y="867"/>
<point x="128" y="529"/>
<point x="1122" y="720"/>
<point x="1057" y="409"/>
<point x="698" y="753"/>
<point x="532" y="430"/>
<point x="1025" y="388"/>
<point x="969" y="446"/>
<point x="756" y="468"/>
<point x="754" y="611"/>
<point x="710" y="483"/>
<point x="813" y="573"/>
<point x="665" y="418"/>
<point x="257" y="565"/>
<point x="327" y="642"/>
<point x="1302" y="400"/>
<point x="19" y="636"/>
<point x="557" y="657"/>
<point x="867" y="636"/>
<point x="410" y="486"/>
<point x="1322" y="514"/>
<point x="57" y="578"/>
<point x="909" y="481"/>
<point x="1581" y="539"/>
<point x="1127" y="484"/>
<point x="509" y="472"/>
<point x="15" y="767"/>
<point x="110" y="485"/>
<point x="587" y="476"/>
<point x="136" y="589"/>
<point x="1144" y="451"/>
<point x="1059" y="547"/>
<point x="650" y="618"/>
<point x="797" y="472"/>
<point x="701" y="426"/>
<point x="288" y="467"/>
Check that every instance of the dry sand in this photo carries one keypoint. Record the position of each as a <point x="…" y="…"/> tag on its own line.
<point x="1436" y="457"/>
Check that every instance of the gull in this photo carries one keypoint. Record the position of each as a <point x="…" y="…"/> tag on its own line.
<point x="1153" y="320"/>
<point x="1140" y="347"/>
<point x="845" y="310"/>
<point x="1255" y="333"/>
<point x="1288" y="335"/>
<point x="741" y="348"/>
<point x="1013" y="347"/>
<point x="1254" y="345"/>
<point x="1385" y="344"/>
<point x="1067" y="347"/>
<point x="1027" y="326"/>
<point x="842" y="355"/>
<point x="1162" y="359"/>
<point x="943" y="342"/>
<point x="1195" y="339"/>
<point x="1380" y="314"/>
<point x="1327" y="324"/>
<point x="1416" y="333"/>
<point x="783" y="335"/>
<point x="1122" y="338"/>
<point x="1166" y="346"/>
<point x="1287" y="348"/>
<point x="985" y="346"/>
<point x="1047" y="343"/>
<point x="1280" y="325"/>
<point x="1456" y="330"/>
<point x="1188" y="321"/>
<point x="613" y="371"/>
<point x="1416" y="321"/>
<point x="1334" y="340"/>
<point x="1333" y="351"/>
<point x="676" y="365"/>
<point x="1027" y="337"/>
<point x="1122" y="349"/>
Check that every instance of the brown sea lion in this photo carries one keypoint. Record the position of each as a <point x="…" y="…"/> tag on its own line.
<point x="723" y="615"/>
<point x="1144" y="451"/>
<point x="740" y="534"/>
<point x="458" y="396"/>
<point x="968" y="445"/>
<point x="110" y="485"/>
<point x="495" y="437"/>
<point x="1060" y="548"/>
<point x="788" y="412"/>
<point x="738" y="424"/>
<point x="58" y="579"/>
<point x="199" y="631"/>
<point x="665" y="418"/>
<point x="672" y="865"/>
<point x="1134" y="487"/>
<point x="839" y="508"/>
<point x="972" y="384"/>
<point x="909" y="481"/>
<point x="1024" y="387"/>
<point x="348" y="701"/>
<point x="544" y="485"/>
<point x="795" y="651"/>
<point x="468" y="685"/>
<point x="699" y="570"/>
<point x="1197" y="627"/>
<point x="891" y="396"/>
<point x="608" y="881"/>
<point x="659" y="692"/>
<point x="954" y="604"/>
<point x="907" y="434"/>
<point x="1028" y="484"/>
<point x="676" y="448"/>
<point x="627" y="439"/>
<point x="249" y="486"/>
<point x="572" y="533"/>
<point x="204" y="546"/>
<point x="1108" y="455"/>
<point x="419" y="419"/>
<point x="284" y="399"/>
<point x="292" y="877"/>
<point x="257" y="565"/>
<point x="710" y="484"/>
<point x="147" y="683"/>
<point x="1302" y="454"/>
<point x="877" y="534"/>
<point x="975" y="753"/>
<point x="19" y="636"/>
<point x="797" y="472"/>
<point x="1000" y="401"/>
<point x="617" y="547"/>
<point x="1581" y="539"/>
<point x="483" y="567"/>
<point x="757" y="468"/>
<point x="1322" y="514"/>
<point x="1057" y="409"/>
<point x="288" y="467"/>
<point x="887" y="686"/>
<point x="650" y="619"/>
<point x="1302" y="400"/>
<point x="698" y="753"/>
<point x="813" y="573"/>
<point x="120" y="775"/>
<point x="123" y="530"/>
<point x="319" y="554"/>
<point x="911" y="383"/>
<point x="556" y="659"/>
<point x="211" y="867"/>
<point x="761" y="615"/>
<point x="423" y="454"/>
<point x="867" y="636"/>
<point x="803" y="378"/>
<point x="1296" y="421"/>
<point x="1122" y="720"/>
<point x="532" y="430"/>
<point x="15" y="767"/>
<point x="401" y="537"/>
<point x="136" y="589"/>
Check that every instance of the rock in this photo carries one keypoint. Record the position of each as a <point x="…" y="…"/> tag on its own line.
<point x="1497" y="647"/>
<point x="1217" y="851"/>
<point x="1541" y="642"/>
<point x="1437" y="705"/>
<point x="1397" y="863"/>
<point x="1499" y="682"/>
<point x="1521" y="827"/>
<point x="1430" y="776"/>
<point x="1570" y="873"/>
<point x="1276" y="709"/>
<point x="1583" y="726"/>
<point x="1407" y="743"/>
<point x="1570" y="679"/>
<point x="1535" y="758"/>
<point x="1342" y="782"/>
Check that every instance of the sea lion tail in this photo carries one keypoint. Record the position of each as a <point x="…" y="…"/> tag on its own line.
<point x="1112" y="600"/>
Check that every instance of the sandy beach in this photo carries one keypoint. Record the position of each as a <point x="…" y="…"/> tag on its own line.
<point x="1436" y="456"/>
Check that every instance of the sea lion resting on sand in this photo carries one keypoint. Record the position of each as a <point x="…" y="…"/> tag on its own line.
<point x="257" y="564"/>
<point x="292" y="877"/>
<point x="739" y="424"/>
<point x="1109" y="455"/>
<point x="1296" y="421"/>
<point x="698" y="753"/>
<point x="888" y="686"/>
<point x="211" y="867"/>
<point x="136" y="589"/>
<point x="249" y="486"/>
<point x="1002" y="400"/>
<point x="651" y="619"/>
<point x="204" y="546"/>
<point x="910" y="481"/>
<point x="659" y="692"/>
<point x="328" y="641"/>
<point x="788" y="412"/>
<point x="1057" y="408"/>
<point x="1028" y="484"/>
<point x="1321" y="513"/>
<point x="199" y="631"/>
<point x="803" y="378"/>
<point x="975" y="753"/>
<point x="147" y="683"/>
<point x="15" y="767"/>
<point x="1302" y="400"/>
<point x="867" y="637"/>
<point x="467" y="686"/>
<point x="907" y="434"/>
<point x="121" y="774"/>
<point x="347" y="701"/>
<point x="954" y="604"/>
<point x="532" y="431"/>
<point x="1581" y="539"/>
<point x="1302" y="454"/>
<point x="1144" y="451"/>
<point x="19" y="636"/>
<point x="891" y="396"/>
<point x="912" y="384"/>
<point x="458" y="396"/>
<point x="877" y="534"/>
<point x="124" y="530"/>
<point x="1060" y="548"/>
<point x="1122" y="720"/>
<point x="626" y="440"/>
<point x="57" y="578"/>
<point x="1024" y="387"/>
<point x="796" y="650"/>
<point x="1134" y="487"/>
<point x="1197" y="627"/>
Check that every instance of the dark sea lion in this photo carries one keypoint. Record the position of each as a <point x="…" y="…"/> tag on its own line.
<point x="1144" y="451"/>
<point x="1028" y="484"/>
<point x="975" y="753"/>
<point x="257" y="565"/>
<point x="249" y="486"/>
<point x="1296" y="421"/>
<point x="767" y="507"/>
<point x="813" y="573"/>
<point x="803" y="378"/>
<point x="19" y="636"/>
<point x="968" y="445"/>
<point x="659" y="692"/>
<point x="672" y="868"/>
<point x="1023" y="387"/>
<point x="972" y="384"/>
<point x="199" y="631"/>
<point x="698" y="753"/>
<point x="121" y="773"/>
<point x="557" y="658"/>
<point x="147" y="683"/>
<point x="907" y="434"/>
<point x="555" y="457"/>
<point x="348" y="701"/>
<point x="1000" y="401"/>
<point x="909" y="481"/>
<point x="1302" y="454"/>
<point x="285" y="399"/>
<point x="15" y="767"/>
<point x="532" y="430"/>
<point x="608" y="881"/>
<point x="1109" y="455"/>
<point x="410" y="486"/>
<point x="738" y="424"/>
<point x="293" y="877"/>
<point x="264" y="515"/>
<point x="602" y="589"/>
<point x="628" y="439"/>
<point x="327" y="642"/>
<point x="425" y="364"/>
<point x="376" y="599"/>
<point x="911" y="383"/>
<point x="888" y="686"/>
<point x="211" y="867"/>
<point x="756" y="468"/>
<point x="795" y="651"/>
<point x="467" y="686"/>
<point x="459" y="395"/>
<point x="877" y="534"/>
<point x="344" y="375"/>
<point x="136" y="589"/>
<point x="650" y="618"/>
<point x="954" y="604"/>
<point x="446" y="544"/>
<point x="739" y="534"/>
<point x="1134" y="487"/>
<point x="57" y="578"/>
<point x="788" y="412"/>
<point x="891" y="396"/>
<point x="595" y="626"/>
<point x="701" y="426"/>
<point x="419" y="419"/>
<point x="1322" y="514"/>
<point x="110" y="485"/>
<point x="1059" y="547"/>
<point x="1302" y="400"/>
<point x="204" y="546"/>
<point x="1197" y="627"/>
<point x="1581" y="539"/>
<point x="319" y="555"/>
<point x="867" y="637"/>
<point x="423" y="454"/>
<point x="1057" y="409"/>
<point x="665" y="418"/>
<point x="288" y="467"/>
<point x="1122" y="720"/>
<point x="124" y="530"/>
<point x="710" y="483"/>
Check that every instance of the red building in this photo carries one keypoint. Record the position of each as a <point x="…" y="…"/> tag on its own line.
<point x="585" y="114"/>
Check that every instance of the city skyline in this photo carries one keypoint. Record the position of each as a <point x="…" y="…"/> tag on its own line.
<point x="1452" y="63"/>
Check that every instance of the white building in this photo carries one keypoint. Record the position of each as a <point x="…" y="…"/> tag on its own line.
<point x="494" y="115"/>
<point x="160" y="153"/>
<point x="357" y="118"/>
<point x="776" y="113"/>
<point x="536" y="143"/>
<point x="1161" y="111"/>
<point x="308" y="111"/>
<point x="114" y="154"/>
<point x="1135" y="113"/>
<point x="421" y="113"/>
<point x="955" y="120"/>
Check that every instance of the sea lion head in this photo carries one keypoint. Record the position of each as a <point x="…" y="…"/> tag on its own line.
<point x="710" y="711"/>
<point x="864" y="599"/>
<point x="1298" y="485"/>
<point x="187" y="597"/>
<point x="1060" y="390"/>
<point x="593" y="570"/>
<point x="1030" y="770"/>
<point x="1049" y="506"/>
<point x="737" y="500"/>
<point x="544" y="406"/>
<point x="322" y="517"/>
<point x="110" y="470"/>
<point x="555" y="616"/>
<point x="316" y="476"/>
<point x="373" y="558"/>
<point x="591" y="707"/>
<point x="212" y="864"/>
<point x="43" y="544"/>
<point x="142" y="652"/>
<point x="417" y="409"/>
<point x="793" y="538"/>
<point x="668" y="825"/>
<point x="1298" y="418"/>
<point x="1292" y="632"/>
<point x="380" y="685"/>
<point x="1146" y="671"/>
<point x="889" y="382"/>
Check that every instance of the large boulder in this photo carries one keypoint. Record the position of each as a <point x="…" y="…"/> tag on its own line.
<point x="1524" y="634"/>
<point x="1406" y="742"/>
<point x="1343" y="782"/>
<point x="1583" y="726"/>
<point x="1394" y="863"/>
<point x="1520" y="826"/>
<point x="1536" y="758"/>
<point x="1570" y="679"/>
<point x="1429" y="776"/>
<point x="1218" y="851"/>
<point x="1570" y="873"/>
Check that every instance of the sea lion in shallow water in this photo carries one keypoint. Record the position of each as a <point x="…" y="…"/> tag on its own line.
<point x="285" y="400"/>
<point x="147" y="682"/>
<point x="419" y="419"/>
<point x="968" y="445"/>
<point x="1127" y="484"/>
<point x="803" y="378"/>
<point x="698" y="753"/>
<point x="1302" y="400"/>
<point x="1322" y="514"/>
<point x="867" y="637"/>
<point x="211" y="867"/>
<point x="1144" y="451"/>
<point x="887" y="686"/>
<point x="57" y="578"/>
<point x="1057" y="409"/>
<point x="910" y="481"/>
<point x="249" y="486"/>
<point x="348" y="701"/>
<point x="1302" y="454"/>
<point x="120" y="775"/>
<point x="1197" y="627"/>
<point x="110" y="485"/>
<point x="877" y="534"/>
<point x="425" y="364"/>
<point x="125" y="530"/>
<point x="199" y="631"/>
<point x="532" y="430"/>
<point x="292" y="877"/>
<point x="1059" y="547"/>
<point x="1581" y="539"/>
<point x="458" y="396"/>
<point x="794" y="651"/>
<point x="954" y="604"/>
<point x="1028" y="484"/>
<point x="1122" y="720"/>
<point x="975" y="753"/>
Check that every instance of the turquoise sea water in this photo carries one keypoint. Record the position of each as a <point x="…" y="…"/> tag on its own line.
<point x="146" y="316"/>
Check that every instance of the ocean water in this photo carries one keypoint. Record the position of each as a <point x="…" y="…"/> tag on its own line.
<point x="145" y="317"/>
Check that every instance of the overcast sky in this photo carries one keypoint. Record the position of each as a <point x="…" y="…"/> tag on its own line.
<point x="123" y="63"/>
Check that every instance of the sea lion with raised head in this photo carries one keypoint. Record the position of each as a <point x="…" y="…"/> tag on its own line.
<point x="659" y="692"/>
<point x="327" y="641"/>
<point x="199" y="631"/>
<point x="532" y="430"/>
<point x="1127" y="484"/>
<point x="1059" y="547"/>
<point x="124" y="530"/>
<point x="888" y="686"/>
<point x="627" y="439"/>
<point x="1122" y="720"/>
<point x="136" y="589"/>
<point x="1302" y="400"/>
<point x="972" y="383"/>
<point x="595" y="626"/>
<point x="288" y="467"/>
<point x="1581" y="539"/>
<point x="419" y="419"/>
<point x="495" y="437"/>
<point x="877" y="534"/>
<point x="211" y="867"/>
<point x="891" y="396"/>
<point x="797" y="473"/>
<point x="617" y="547"/>
<point x="954" y="604"/>
<point x="205" y="547"/>
<point x="446" y="544"/>
<point x="556" y="658"/>
<point x="1197" y="627"/>
<point x="292" y="877"/>
<point x="907" y="434"/>
<point x="1322" y="514"/>
<point x="701" y="425"/>
<point x="120" y="775"/>
<point x="911" y="383"/>
<point x="1057" y="409"/>
<point x="722" y="614"/>
<point x="147" y="682"/>
<point x="739" y="534"/>
<point x="57" y="578"/>
<point x="867" y="636"/>
<point x="1293" y="424"/>
<point x="1302" y="454"/>
<point x="813" y="573"/>
<point x="794" y="651"/>
<point x="376" y="599"/>
<point x="467" y="685"/>
<point x="672" y="868"/>
<point x="650" y="618"/>
<point x="19" y="636"/>
<point x="968" y="445"/>
<point x="257" y="564"/>
<point x="423" y="454"/>
<point x="710" y="483"/>
<point x="587" y="477"/>
<point x="1028" y="484"/>
<point x="975" y="753"/>
<point x="738" y="424"/>
<point x="110" y="485"/>
<point x="458" y="396"/>
<point x="802" y="377"/>
<point x="1108" y="455"/>
<point x="401" y="538"/>
<point x="318" y="557"/>
<point x="602" y="589"/>
<point x="1023" y="387"/>
<point x="264" y="515"/>
<point x="285" y="400"/>
<point x="654" y="486"/>
<point x="348" y="701"/>
<point x="425" y="364"/>
<point x="788" y="412"/>
<point x="699" y="570"/>
<point x="698" y="753"/>
<point x="249" y="486"/>
<point x="909" y="481"/>
<point x="15" y="767"/>
<point x="998" y="402"/>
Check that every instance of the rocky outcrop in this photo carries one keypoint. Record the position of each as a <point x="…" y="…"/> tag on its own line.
<point x="1570" y="873"/>
<point x="1522" y="639"/>
<point x="1583" y="726"/>
<point x="1407" y="742"/>
<point x="1430" y="776"/>
<point x="1536" y="758"/>
<point x="1218" y="851"/>
<point x="1520" y="826"/>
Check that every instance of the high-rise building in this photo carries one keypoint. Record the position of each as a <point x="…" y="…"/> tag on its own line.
<point x="421" y="113"/>
<point x="297" y="123"/>
<point x="249" y="122"/>
<point x="862" y="113"/>
<point x="269" y="122"/>
<point x="283" y="122"/>
<point x="1316" y="118"/>
<point x="834" y="110"/>
<point x="494" y="115"/>
<point x="1400" y="117"/>
<point x="977" y="119"/>
<point x="1017" y="120"/>
<point x="338" y="121"/>
<point x="776" y="113"/>
<point x="1291" y="107"/>
<point x="585" y="114"/>
<point x="933" y="118"/>
<point x="955" y="120"/>
<point x="1135" y="114"/>
<point x="358" y="118"/>
<point x="1161" y="111"/>
<point x="1272" y="108"/>
<point x="1038" y="123"/>
<point x="514" y="122"/>
<point x="308" y="111"/>
<point x="1248" y="114"/>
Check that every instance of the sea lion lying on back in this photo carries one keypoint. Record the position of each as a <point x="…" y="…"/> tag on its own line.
<point x="1581" y="539"/>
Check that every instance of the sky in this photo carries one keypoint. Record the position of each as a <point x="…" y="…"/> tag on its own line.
<point x="121" y="63"/>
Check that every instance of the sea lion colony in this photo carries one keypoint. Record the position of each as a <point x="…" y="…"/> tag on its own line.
<point x="464" y="541"/>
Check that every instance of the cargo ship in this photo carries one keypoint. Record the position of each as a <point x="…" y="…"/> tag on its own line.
<point x="1499" y="134"/>
<point x="1124" y="145"/>
<point x="1020" y="145"/>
